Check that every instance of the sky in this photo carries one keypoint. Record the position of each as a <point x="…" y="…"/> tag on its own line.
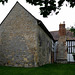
<point x="52" y="22"/>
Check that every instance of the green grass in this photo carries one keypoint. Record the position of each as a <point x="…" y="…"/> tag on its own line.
<point x="50" y="69"/>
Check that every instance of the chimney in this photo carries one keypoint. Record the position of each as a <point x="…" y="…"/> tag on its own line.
<point x="61" y="55"/>
<point x="62" y="30"/>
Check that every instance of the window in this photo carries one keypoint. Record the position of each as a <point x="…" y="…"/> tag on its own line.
<point x="70" y="46"/>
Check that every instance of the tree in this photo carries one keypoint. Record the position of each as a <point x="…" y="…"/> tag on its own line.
<point x="48" y="6"/>
<point x="72" y="29"/>
<point x="3" y="1"/>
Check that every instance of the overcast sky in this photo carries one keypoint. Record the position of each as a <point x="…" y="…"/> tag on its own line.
<point x="52" y="22"/>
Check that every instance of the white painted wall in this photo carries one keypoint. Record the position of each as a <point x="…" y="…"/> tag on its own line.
<point x="70" y="58"/>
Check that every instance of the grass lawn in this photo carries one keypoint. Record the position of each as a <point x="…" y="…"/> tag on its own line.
<point x="50" y="69"/>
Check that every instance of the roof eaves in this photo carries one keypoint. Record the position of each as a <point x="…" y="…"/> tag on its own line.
<point x="45" y="29"/>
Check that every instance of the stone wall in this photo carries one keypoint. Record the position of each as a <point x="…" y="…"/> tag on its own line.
<point x="44" y="47"/>
<point x="23" y="43"/>
<point x="61" y="46"/>
<point x="18" y="42"/>
<point x="62" y="50"/>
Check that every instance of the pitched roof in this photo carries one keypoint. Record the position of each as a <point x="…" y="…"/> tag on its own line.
<point x="45" y="29"/>
<point x="38" y="21"/>
<point x="69" y="35"/>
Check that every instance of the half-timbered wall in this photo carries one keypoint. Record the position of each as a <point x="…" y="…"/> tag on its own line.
<point x="70" y="50"/>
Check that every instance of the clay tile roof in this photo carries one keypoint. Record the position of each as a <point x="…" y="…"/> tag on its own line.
<point x="69" y="35"/>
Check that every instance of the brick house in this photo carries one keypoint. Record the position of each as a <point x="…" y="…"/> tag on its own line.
<point x="24" y="40"/>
